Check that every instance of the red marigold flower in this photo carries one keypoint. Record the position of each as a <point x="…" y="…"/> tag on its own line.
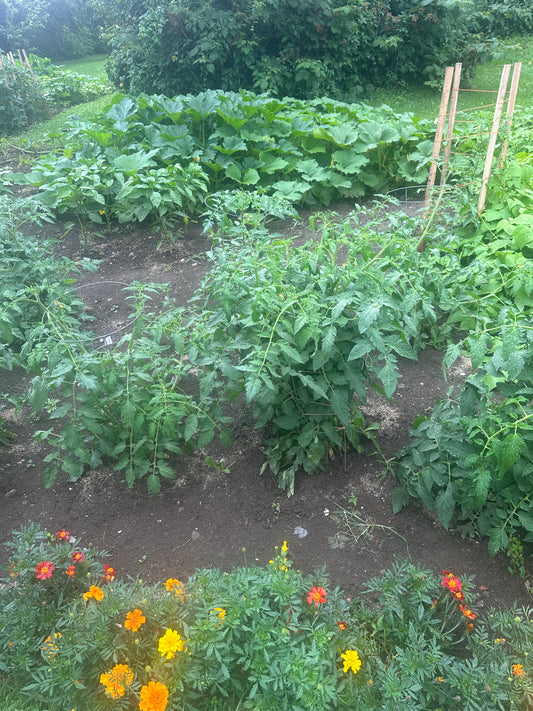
<point x="63" y="535"/>
<point x="458" y="595"/>
<point x="342" y="625"/>
<point x="317" y="596"/>
<point x="71" y="570"/>
<point x="467" y="612"/>
<point x="109" y="572"/>
<point x="44" y="570"/>
<point x="451" y="582"/>
<point x="77" y="556"/>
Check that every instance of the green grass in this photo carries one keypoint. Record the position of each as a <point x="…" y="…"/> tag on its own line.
<point x="92" y="65"/>
<point x="424" y="101"/>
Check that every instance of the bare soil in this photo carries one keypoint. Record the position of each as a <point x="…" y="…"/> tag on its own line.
<point x="209" y="518"/>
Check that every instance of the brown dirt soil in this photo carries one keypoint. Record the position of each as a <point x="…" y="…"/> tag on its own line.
<point x="205" y="518"/>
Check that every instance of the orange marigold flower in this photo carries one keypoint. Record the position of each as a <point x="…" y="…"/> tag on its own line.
<point x="71" y="570"/>
<point x="77" y="556"/>
<point x="518" y="670"/>
<point x="176" y="586"/>
<point x="109" y="573"/>
<point x="134" y="620"/>
<point x="154" y="697"/>
<point x="117" y="680"/>
<point x="467" y="612"/>
<point x="44" y="570"/>
<point x="95" y="592"/>
<point x="63" y="535"/>
<point x="440" y="679"/>
<point x="317" y="596"/>
<point x="49" y="647"/>
<point x="342" y="625"/>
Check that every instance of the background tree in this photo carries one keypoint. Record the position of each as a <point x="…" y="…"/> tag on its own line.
<point x="58" y="29"/>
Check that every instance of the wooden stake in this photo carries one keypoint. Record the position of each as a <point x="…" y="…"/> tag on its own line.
<point x="451" y="121"/>
<point x="493" y="136"/>
<point x="439" y="131"/>
<point x="510" y="109"/>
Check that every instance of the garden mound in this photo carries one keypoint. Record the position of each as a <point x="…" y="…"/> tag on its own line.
<point x="227" y="515"/>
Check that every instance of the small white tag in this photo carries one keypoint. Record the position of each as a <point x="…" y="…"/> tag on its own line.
<point x="108" y="340"/>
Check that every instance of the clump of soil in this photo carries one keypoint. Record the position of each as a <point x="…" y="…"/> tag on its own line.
<point x="341" y="517"/>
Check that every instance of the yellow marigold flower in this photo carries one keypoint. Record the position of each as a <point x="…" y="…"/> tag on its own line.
<point x="95" y="592"/>
<point x="134" y="620"/>
<point x="170" y="643"/>
<point x="284" y="547"/>
<point x="117" y="680"/>
<point x="154" y="697"/>
<point x="219" y="611"/>
<point x="351" y="661"/>
<point x="176" y="586"/>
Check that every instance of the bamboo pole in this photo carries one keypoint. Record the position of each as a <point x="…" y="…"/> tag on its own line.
<point x="493" y="136"/>
<point x="451" y="121"/>
<point x="448" y="77"/>
<point x="510" y="109"/>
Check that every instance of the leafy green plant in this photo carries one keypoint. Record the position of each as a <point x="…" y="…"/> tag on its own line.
<point x="299" y="329"/>
<point x="470" y="458"/>
<point x="29" y="274"/>
<point x="156" y="158"/>
<point x="132" y="405"/>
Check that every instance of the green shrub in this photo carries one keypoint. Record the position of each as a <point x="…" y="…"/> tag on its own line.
<point x="301" y="49"/>
<point x="500" y="18"/>
<point x="269" y="638"/>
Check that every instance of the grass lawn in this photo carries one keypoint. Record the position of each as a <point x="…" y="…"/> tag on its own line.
<point x="425" y="101"/>
<point x="92" y="65"/>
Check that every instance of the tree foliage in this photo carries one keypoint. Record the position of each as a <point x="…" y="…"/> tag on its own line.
<point x="58" y="29"/>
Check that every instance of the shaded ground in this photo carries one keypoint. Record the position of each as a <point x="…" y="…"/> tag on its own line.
<point x="206" y="517"/>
